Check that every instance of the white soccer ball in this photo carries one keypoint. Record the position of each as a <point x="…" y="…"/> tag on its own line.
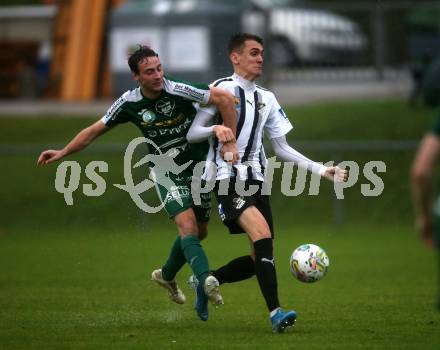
<point x="309" y="263"/>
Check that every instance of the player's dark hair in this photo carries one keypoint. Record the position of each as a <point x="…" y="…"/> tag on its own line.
<point x="236" y="43"/>
<point x="139" y="55"/>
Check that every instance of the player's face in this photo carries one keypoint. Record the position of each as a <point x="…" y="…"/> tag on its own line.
<point x="150" y="76"/>
<point x="249" y="62"/>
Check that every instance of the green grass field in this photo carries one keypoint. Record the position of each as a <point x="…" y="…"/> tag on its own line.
<point x="76" y="277"/>
<point x="89" y="289"/>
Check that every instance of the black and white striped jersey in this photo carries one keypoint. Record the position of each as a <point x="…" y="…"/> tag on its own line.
<point x="258" y="113"/>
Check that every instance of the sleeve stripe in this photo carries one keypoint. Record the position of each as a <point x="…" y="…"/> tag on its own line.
<point x="218" y="82"/>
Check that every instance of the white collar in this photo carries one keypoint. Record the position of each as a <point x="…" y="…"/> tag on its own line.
<point x="245" y="84"/>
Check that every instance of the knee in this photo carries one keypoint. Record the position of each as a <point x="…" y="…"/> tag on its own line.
<point x="187" y="227"/>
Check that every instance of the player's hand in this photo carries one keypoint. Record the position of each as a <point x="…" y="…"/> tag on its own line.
<point x="224" y="134"/>
<point x="336" y="174"/>
<point x="229" y="152"/>
<point x="49" y="156"/>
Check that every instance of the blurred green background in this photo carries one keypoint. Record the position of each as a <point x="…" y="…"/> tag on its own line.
<point x="342" y="127"/>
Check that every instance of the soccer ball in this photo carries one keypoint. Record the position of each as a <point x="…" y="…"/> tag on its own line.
<point x="309" y="263"/>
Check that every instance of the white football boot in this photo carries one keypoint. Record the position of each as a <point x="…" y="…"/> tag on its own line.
<point x="174" y="292"/>
<point x="211" y="289"/>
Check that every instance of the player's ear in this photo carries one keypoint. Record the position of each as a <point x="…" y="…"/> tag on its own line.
<point x="233" y="56"/>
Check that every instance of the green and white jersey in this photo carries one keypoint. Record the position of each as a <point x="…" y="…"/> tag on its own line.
<point x="164" y="120"/>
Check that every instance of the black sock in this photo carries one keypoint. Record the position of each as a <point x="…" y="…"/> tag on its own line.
<point x="236" y="270"/>
<point x="265" y="271"/>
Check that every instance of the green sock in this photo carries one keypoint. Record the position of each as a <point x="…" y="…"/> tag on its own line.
<point x="175" y="261"/>
<point x="196" y="257"/>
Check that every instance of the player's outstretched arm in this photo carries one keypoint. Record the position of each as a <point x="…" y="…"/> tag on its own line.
<point x="288" y="154"/>
<point x="422" y="173"/>
<point x="201" y="129"/>
<point x="79" y="142"/>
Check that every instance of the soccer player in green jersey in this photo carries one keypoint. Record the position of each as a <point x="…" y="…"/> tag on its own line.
<point x="163" y="109"/>
<point x="422" y="175"/>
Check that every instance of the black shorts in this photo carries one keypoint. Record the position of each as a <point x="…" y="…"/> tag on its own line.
<point x="231" y="205"/>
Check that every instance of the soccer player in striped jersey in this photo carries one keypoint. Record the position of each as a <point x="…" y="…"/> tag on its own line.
<point x="258" y="112"/>
<point x="163" y="109"/>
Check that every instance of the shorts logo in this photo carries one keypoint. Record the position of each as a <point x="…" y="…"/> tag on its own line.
<point x="176" y="193"/>
<point x="165" y="106"/>
<point x="238" y="202"/>
<point x="221" y="212"/>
